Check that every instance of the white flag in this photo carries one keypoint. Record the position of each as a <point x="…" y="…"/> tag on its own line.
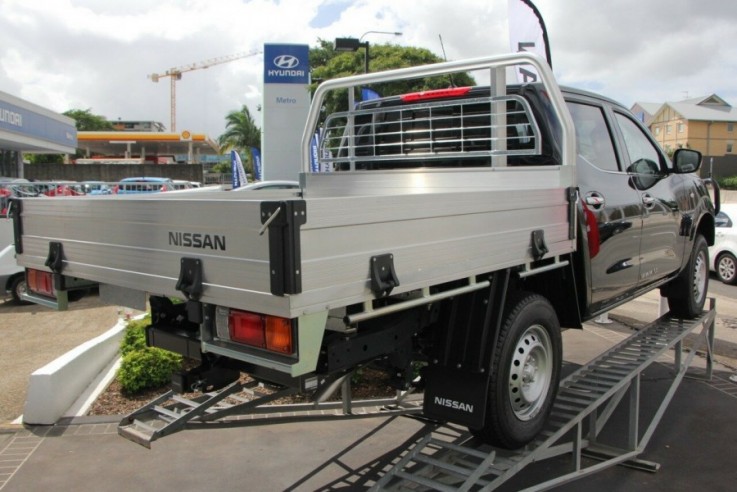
<point x="527" y="33"/>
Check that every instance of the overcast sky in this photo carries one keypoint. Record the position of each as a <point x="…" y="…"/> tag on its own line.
<point x="97" y="54"/>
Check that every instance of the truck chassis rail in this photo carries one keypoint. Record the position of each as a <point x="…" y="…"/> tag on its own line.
<point x="585" y="402"/>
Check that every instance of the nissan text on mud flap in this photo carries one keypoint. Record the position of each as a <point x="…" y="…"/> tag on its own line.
<point x="459" y="231"/>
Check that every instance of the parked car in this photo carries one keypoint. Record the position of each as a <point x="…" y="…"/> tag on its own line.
<point x="143" y="185"/>
<point x="180" y="184"/>
<point x="724" y="252"/>
<point x="95" y="188"/>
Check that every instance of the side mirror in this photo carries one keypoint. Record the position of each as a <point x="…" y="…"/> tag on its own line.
<point x="686" y="161"/>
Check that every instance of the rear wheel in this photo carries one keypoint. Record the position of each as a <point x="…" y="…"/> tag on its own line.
<point x="18" y="288"/>
<point x="525" y="372"/>
<point x="687" y="294"/>
<point x="726" y="267"/>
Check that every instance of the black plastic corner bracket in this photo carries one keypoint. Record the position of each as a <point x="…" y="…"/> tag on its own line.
<point x="383" y="276"/>
<point x="572" y="197"/>
<point x="55" y="258"/>
<point x="283" y="220"/>
<point x="15" y="210"/>
<point x="539" y="249"/>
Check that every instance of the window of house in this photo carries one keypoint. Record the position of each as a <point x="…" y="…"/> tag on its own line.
<point x="681" y="128"/>
<point x="730" y="127"/>
<point x="657" y="131"/>
<point x="730" y="146"/>
<point x="668" y="129"/>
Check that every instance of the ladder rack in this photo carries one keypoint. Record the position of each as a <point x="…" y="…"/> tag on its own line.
<point x="585" y="402"/>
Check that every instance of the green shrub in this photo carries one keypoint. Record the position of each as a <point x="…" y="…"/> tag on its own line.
<point x="728" y="183"/>
<point x="134" y="337"/>
<point x="147" y="368"/>
<point x="144" y="367"/>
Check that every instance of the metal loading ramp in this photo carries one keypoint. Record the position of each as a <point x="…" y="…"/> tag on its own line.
<point x="586" y="401"/>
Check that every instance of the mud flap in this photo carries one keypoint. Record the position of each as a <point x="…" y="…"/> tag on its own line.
<point x="455" y="396"/>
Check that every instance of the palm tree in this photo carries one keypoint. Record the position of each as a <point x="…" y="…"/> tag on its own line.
<point x="241" y="131"/>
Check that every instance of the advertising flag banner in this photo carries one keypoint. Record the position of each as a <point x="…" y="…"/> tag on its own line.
<point x="314" y="149"/>
<point x="258" y="168"/>
<point x="527" y="32"/>
<point x="239" y="174"/>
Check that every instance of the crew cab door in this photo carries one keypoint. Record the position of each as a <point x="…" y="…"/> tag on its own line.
<point x="661" y="244"/>
<point x="608" y="198"/>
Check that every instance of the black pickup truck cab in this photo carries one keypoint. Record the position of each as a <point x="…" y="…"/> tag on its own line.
<point x="644" y="222"/>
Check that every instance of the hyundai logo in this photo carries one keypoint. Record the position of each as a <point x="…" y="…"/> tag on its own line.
<point x="286" y="61"/>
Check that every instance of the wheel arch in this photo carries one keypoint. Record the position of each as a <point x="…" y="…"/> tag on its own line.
<point x="706" y="228"/>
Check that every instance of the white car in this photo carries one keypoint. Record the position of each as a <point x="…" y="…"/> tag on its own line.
<point x="724" y="252"/>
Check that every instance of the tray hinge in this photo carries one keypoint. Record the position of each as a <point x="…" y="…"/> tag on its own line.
<point x="190" y="284"/>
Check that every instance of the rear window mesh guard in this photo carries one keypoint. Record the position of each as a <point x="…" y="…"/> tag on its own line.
<point x="476" y="128"/>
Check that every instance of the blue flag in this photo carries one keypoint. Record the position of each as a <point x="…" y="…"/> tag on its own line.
<point x="258" y="169"/>
<point x="239" y="174"/>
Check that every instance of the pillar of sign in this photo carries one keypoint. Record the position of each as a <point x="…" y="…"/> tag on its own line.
<point x="285" y="107"/>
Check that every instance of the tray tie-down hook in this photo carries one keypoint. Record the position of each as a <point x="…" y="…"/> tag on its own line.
<point x="383" y="276"/>
<point x="539" y="248"/>
<point x="55" y="258"/>
<point x="190" y="284"/>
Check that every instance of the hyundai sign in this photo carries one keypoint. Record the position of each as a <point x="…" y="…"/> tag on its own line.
<point x="285" y="107"/>
<point x="286" y="64"/>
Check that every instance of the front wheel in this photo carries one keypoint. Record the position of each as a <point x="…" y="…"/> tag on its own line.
<point x="687" y="294"/>
<point x="525" y="372"/>
<point x="726" y="267"/>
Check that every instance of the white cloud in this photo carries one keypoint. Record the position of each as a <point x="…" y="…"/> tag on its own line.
<point x="97" y="54"/>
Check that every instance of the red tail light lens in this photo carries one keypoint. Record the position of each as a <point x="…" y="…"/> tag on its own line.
<point x="262" y="331"/>
<point x="40" y="282"/>
<point x="247" y="328"/>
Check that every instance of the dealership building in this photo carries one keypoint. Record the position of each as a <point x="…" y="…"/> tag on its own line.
<point x="28" y="127"/>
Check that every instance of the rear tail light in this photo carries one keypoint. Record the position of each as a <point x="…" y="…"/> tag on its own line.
<point x="40" y="282"/>
<point x="262" y="331"/>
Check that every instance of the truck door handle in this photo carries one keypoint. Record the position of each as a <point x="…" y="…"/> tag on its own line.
<point x="648" y="200"/>
<point x="595" y="200"/>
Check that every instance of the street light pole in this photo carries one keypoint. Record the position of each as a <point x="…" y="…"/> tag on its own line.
<point x="353" y="44"/>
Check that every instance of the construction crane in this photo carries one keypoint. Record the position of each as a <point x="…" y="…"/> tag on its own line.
<point x="175" y="74"/>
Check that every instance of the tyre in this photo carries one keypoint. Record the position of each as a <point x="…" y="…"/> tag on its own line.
<point x="525" y="373"/>
<point x="726" y="267"/>
<point x="18" y="287"/>
<point x="687" y="292"/>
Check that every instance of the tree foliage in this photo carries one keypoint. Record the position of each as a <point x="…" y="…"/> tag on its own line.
<point x="241" y="133"/>
<point x="326" y="64"/>
<point x="85" y="121"/>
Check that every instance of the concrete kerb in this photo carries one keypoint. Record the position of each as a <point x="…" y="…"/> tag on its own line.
<point x="54" y="390"/>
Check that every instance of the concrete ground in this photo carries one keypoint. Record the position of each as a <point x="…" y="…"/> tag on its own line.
<point x="32" y="336"/>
